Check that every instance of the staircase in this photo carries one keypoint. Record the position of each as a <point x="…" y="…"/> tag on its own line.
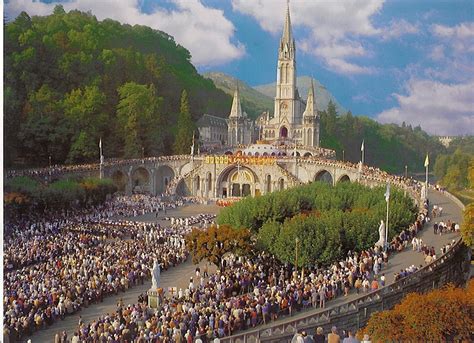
<point x="172" y="186"/>
<point x="290" y="176"/>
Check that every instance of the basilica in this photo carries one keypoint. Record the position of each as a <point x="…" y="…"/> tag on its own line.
<point x="294" y="121"/>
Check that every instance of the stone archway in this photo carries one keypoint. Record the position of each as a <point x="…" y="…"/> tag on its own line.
<point x="163" y="176"/>
<point x="120" y="180"/>
<point x="182" y="188"/>
<point x="307" y="154"/>
<point x="344" y="178"/>
<point x="324" y="176"/>
<point x="281" y="184"/>
<point x="283" y="132"/>
<point x="141" y="180"/>
<point x="237" y="181"/>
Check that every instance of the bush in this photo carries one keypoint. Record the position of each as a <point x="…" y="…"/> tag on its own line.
<point x="443" y="315"/>
<point x="328" y="221"/>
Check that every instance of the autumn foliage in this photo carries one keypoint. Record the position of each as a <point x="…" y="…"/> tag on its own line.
<point x="213" y="243"/>
<point x="445" y="314"/>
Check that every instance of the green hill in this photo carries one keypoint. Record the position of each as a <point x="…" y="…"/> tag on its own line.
<point x="68" y="74"/>
<point x="253" y="102"/>
<point x="388" y="146"/>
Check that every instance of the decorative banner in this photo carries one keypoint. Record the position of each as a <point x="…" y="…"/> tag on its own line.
<point x="234" y="159"/>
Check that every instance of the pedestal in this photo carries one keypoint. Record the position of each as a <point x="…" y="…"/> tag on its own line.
<point x="154" y="297"/>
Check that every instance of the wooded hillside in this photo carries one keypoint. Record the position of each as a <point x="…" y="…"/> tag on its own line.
<point x="71" y="79"/>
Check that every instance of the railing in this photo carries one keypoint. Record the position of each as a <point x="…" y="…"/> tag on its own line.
<point x="289" y="175"/>
<point x="288" y="326"/>
<point x="64" y="169"/>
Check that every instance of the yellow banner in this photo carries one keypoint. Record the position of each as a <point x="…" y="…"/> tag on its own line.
<point x="233" y="159"/>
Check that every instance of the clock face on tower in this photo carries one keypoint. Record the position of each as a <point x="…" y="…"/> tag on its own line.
<point x="284" y="109"/>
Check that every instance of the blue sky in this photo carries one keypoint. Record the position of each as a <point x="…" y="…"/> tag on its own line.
<point x="402" y="60"/>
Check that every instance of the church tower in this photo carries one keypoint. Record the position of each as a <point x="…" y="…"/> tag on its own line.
<point x="311" y="120"/>
<point x="240" y="127"/>
<point x="286" y="92"/>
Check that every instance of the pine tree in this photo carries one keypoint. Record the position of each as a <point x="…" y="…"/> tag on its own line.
<point x="185" y="127"/>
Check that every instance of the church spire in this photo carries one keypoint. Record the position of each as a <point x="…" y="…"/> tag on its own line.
<point x="310" y="110"/>
<point x="287" y="43"/>
<point x="287" y="37"/>
<point x="236" y="110"/>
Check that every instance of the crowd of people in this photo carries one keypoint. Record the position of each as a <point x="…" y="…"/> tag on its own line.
<point x="244" y="293"/>
<point x="56" y="263"/>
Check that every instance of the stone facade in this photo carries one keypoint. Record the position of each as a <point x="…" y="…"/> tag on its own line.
<point x="241" y="129"/>
<point x="212" y="131"/>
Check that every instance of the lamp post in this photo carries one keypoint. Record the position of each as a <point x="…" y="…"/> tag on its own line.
<point x="296" y="253"/>
<point x="406" y="171"/>
<point x="49" y="167"/>
<point x="342" y="155"/>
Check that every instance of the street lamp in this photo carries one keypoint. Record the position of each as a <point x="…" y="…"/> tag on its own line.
<point x="296" y="253"/>
<point x="342" y="155"/>
<point x="406" y="171"/>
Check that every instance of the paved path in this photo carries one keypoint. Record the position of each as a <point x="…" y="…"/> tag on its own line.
<point x="179" y="276"/>
<point x="174" y="277"/>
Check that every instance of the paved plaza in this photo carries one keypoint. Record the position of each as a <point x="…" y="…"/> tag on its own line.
<point x="179" y="276"/>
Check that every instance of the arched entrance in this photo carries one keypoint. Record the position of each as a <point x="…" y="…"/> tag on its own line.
<point x="182" y="188"/>
<point x="141" y="180"/>
<point x="344" y="178"/>
<point x="163" y="176"/>
<point x="281" y="184"/>
<point x="237" y="181"/>
<point x="324" y="176"/>
<point x="120" y="179"/>
<point x="283" y="132"/>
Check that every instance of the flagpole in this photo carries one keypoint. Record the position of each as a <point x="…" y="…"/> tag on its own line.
<point x="101" y="165"/>
<point x="387" y="199"/>
<point x="386" y="230"/>
<point x="427" y="163"/>
<point x="426" y="182"/>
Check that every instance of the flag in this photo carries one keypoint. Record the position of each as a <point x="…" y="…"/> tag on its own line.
<point x="427" y="161"/>
<point x="362" y="146"/>
<point x="100" y="143"/>
<point x="387" y="192"/>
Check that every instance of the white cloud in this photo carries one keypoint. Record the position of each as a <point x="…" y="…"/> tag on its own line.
<point x="437" y="53"/>
<point x="204" y="31"/>
<point x="398" y="28"/>
<point x="334" y="27"/>
<point x="439" y="108"/>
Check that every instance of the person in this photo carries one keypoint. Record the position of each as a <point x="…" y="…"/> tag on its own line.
<point x="350" y="338"/>
<point x="366" y="339"/>
<point x="333" y="337"/>
<point x="319" y="336"/>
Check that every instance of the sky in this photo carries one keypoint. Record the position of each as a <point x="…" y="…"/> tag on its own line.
<point x="396" y="61"/>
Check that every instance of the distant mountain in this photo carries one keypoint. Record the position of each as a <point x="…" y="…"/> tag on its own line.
<point x="253" y="102"/>
<point x="304" y="82"/>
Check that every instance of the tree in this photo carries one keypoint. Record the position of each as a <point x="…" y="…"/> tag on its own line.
<point x="213" y="243"/>
<point x="440" y="315"/>
<point x="467" y="227"/>
<point x="185" y="127"/>
<point x="84" y="108"/>
<point x="139" y="118"/>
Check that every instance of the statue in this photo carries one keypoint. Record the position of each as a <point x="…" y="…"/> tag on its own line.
<point x="381" y="241"/>
<point x="155" y="275"/>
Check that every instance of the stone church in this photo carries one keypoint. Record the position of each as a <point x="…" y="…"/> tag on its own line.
<point x="294" y="120"/>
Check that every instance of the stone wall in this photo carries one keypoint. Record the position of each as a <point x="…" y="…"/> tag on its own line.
<point x="452" y="267"/>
